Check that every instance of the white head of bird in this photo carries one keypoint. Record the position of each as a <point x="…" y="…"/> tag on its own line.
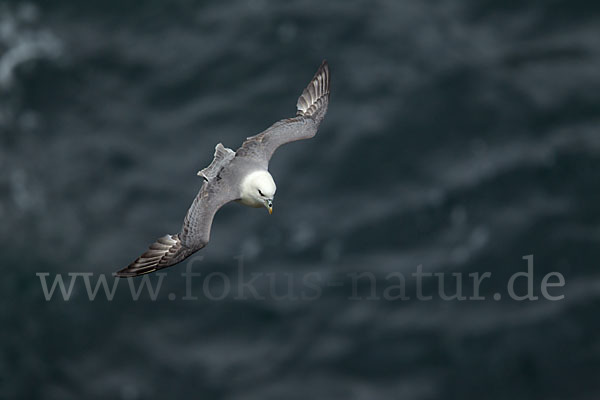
<point x="258" y="189"/>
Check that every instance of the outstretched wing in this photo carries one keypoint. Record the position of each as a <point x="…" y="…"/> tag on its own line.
<point x="195" y="232"/>
<point x="311" y="108"/>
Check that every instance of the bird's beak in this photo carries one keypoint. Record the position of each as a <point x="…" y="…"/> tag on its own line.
<point x="269" y="206"/>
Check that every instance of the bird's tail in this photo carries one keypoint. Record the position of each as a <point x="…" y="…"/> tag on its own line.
<point x="165" y="252"/>
<point x="314" y="99"/>
<point x="222" y="157"/>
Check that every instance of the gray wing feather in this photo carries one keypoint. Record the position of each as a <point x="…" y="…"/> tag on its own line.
<point x="311" y="108"/>
<point x="195" y="232"/>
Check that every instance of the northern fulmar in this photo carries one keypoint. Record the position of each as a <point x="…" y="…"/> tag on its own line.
<point x="240" y="175"/>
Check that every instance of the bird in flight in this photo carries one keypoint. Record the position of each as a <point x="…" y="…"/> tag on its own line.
<point x="240" y="175"/>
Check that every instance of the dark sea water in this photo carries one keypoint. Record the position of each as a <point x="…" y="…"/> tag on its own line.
<point x="461" y="136"/>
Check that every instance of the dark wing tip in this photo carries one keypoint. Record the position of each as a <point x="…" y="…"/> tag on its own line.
<point x="166" y="251"/>
<point x="313" y="100"/>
